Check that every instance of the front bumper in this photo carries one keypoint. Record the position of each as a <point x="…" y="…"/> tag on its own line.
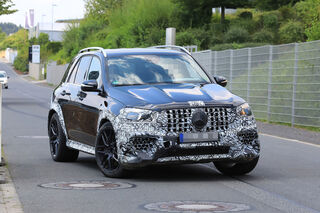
<point x="145" y="143"/>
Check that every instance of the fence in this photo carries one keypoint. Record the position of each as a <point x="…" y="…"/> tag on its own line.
<point x="281" y="83"/>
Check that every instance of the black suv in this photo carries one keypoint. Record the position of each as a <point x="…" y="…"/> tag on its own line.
<point x="142" y="106"/>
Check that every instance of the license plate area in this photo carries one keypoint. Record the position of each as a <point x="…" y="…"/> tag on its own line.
<point x="198" y="137"/>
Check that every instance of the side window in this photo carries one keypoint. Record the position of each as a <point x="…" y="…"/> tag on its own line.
<point x="66" y="73"/>
<point x="82" y="69"/>
<point x="73" y="73"/>
<point x="95" y="69"/>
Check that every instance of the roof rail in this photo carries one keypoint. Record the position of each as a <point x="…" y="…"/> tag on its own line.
<point x="174" y="47"/>
<point x="95" y="49"/>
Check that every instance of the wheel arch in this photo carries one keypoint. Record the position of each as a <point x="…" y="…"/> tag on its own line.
<point x="103" y="121"/>
<point x="50" y="114"/>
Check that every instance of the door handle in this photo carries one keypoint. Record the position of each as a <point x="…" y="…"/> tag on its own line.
<point x="63" y="93"/>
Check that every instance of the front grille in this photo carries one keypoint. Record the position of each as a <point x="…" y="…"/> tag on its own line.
<point x="179" y="120"/>
<point x="143" y="143"/>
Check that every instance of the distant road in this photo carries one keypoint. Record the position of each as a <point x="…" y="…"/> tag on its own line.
<point x="287" y="178"/>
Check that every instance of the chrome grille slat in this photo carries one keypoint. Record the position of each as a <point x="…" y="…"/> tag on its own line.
<point x="179" y="120"/>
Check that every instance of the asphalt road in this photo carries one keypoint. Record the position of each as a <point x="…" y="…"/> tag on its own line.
<point x="287" y="178"/>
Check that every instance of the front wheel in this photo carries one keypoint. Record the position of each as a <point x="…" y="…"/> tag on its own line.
<point x="57" y="140"/>
<point x="106" y="152"/>
<point x="232" y="169"/>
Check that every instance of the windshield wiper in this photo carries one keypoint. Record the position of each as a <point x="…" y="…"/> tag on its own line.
<point x="118" y="85"/>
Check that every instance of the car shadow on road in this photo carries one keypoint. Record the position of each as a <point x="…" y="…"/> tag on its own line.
<point x="168" y="173"/>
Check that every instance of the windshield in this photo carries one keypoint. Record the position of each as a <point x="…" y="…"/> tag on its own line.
<point x="154" y="69"/>
<point x="2" y="75"/>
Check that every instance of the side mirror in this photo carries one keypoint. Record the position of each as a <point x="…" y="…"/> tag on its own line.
<point x="8" y="77"/>
<point x="90" y="86"/>
<point x="222" y="81"/>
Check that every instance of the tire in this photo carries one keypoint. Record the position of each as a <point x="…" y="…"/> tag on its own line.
<point x="6" y="87"/>
<point x="106" y="152"/>
<point x="57" y="141"/>
<point x="234" y="169"/>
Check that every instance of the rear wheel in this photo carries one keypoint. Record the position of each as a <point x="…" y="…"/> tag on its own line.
<point x="241" y="168"/>
<point x="57" y="141"/>
<point x="106" y="152"/>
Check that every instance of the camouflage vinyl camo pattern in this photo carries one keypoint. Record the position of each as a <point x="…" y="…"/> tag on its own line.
<point x="156" y="126"/>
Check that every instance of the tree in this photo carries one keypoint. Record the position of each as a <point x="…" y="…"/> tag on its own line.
<point x="9" y="28"/>
<point x="101" y="7"/>
<point x="273" y="4"/>
<point x="198" y="12"/>
<point x="5" y="7"/>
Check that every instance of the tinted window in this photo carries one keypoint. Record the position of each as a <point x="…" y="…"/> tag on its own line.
<point x="95" y="69"/>
<point x="73" y="73"/>
<point x="83" y="67"/>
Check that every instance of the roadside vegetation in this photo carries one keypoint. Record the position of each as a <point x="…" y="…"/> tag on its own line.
<point x="142" y="23"/>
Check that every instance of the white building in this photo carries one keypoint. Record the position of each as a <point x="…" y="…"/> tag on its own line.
<point x="55" y="30"/>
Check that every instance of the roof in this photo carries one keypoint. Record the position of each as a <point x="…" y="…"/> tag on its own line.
<point x="139" y="51"/>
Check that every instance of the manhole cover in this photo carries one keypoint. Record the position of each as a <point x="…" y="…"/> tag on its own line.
<point x="196" y="206"/>
<point x="106" y="185"/>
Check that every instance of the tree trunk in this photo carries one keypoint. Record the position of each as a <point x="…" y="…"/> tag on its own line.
<point x="223" y="10"/>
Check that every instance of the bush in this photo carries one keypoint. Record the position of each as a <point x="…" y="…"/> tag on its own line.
<point x="292" y="32"/>
<point x="247" y="24"/>
<point x="313" y="32"/>
<point x="270" y="21"/>
<point x="245" y="15"/>
<point x="236" y="34"/>
<point x="21" y="62"/>
<point x="286" y="12"/>
<point x="197" y="36"/>
<point x="54" y="46"/>
<point x="263" y="36"/>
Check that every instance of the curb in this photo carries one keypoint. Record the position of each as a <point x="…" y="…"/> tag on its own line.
<point x="9" y="200"/>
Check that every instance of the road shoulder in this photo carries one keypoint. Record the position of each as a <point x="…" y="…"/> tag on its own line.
<point x="9" y="200"/>
<point x="289" y="132"/>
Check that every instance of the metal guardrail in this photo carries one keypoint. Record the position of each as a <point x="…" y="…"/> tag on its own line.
<point x="280" y="82"/>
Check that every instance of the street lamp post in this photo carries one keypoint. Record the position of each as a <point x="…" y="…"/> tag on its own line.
<point x="53" y="5"/>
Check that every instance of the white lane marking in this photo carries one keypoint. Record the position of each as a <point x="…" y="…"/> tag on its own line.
<point x="294" y="140"/>
<point x="269" y="198"/>
<point x="33" y="137"/>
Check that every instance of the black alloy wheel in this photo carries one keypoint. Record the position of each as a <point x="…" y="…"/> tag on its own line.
<point x="57" y="141"/>
<point x="106" y="152"/>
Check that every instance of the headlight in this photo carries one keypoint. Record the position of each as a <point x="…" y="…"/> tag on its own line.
<point x="134" y="114"/>
<point x="245" y="109"/>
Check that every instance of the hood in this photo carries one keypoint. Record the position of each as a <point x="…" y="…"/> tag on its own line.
<point x="152" y="95"/>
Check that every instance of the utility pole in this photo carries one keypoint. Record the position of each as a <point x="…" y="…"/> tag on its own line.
<point x="53" y="5"/>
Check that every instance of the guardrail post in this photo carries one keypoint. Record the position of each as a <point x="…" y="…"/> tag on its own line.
<point x="249" y="75"/>
<point x="296" y="49"/>
<point x="270" y="81"/>
<point x="231" y="68"/>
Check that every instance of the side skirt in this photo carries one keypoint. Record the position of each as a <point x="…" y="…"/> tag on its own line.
<point x="81" y="147"/>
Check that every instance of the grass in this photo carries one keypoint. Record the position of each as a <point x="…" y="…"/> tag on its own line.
<point x="309" y="128"/>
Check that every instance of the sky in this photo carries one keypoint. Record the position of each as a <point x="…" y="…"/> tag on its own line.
<point x="64" y="9"/>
